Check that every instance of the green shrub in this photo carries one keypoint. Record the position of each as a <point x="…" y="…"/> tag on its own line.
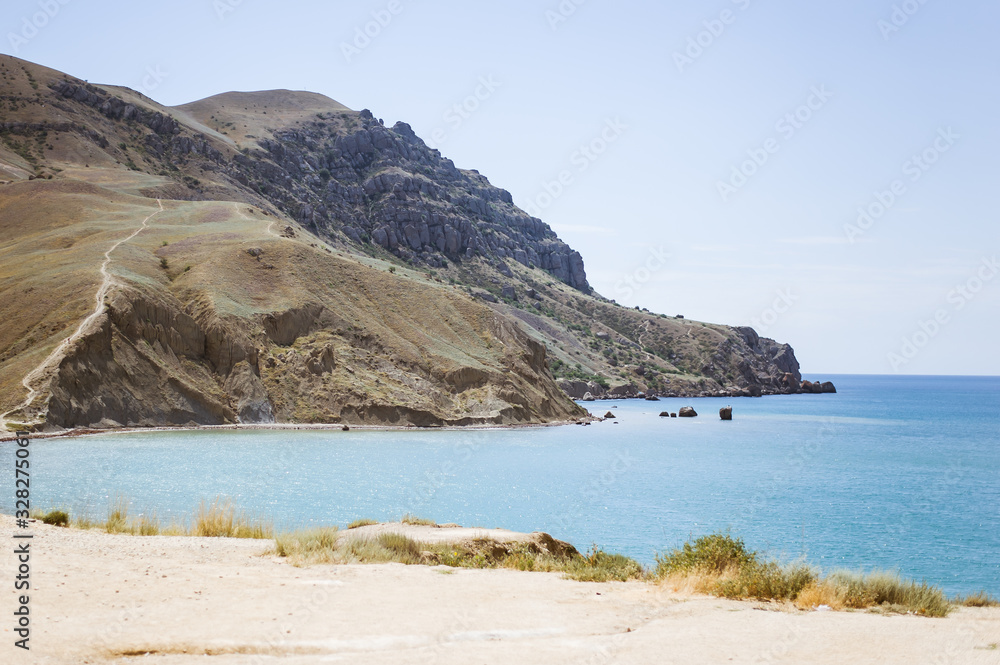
<point x="599" y="566"/>
<point x="717" y="553"/>
<point x="722" y="565"/>
<point x="56" y="518"/>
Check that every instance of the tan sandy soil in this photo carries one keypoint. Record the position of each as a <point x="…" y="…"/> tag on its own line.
<point x="98" y="598"/>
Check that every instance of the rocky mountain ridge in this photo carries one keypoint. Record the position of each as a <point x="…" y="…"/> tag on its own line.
<point x="283" y="206"/>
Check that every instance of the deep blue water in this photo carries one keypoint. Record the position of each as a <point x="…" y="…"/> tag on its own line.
<point x="898" y="473"/>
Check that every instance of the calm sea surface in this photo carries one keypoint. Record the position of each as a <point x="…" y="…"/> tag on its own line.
<point x="899" y="473"/>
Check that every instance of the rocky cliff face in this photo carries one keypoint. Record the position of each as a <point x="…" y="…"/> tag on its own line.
<point x="345" y="175"/>
<point x="146" y="364"/>
<point x="385" y="186"/>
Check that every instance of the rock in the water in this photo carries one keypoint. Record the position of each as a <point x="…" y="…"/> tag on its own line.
<point x="817" y="387"/>
<point x="726" y="413"/>
<point x="652" y="398"/>
<point x="673" y="415"/>
<point x="664" y="414"/>
<point x="688" y="412"/>
<point x="610" y="415"/>
<point x="589" y="398"/>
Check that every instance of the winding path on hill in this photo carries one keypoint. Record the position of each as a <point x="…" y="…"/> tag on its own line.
<point x="106" y="283"/>
<point x="270" y="227"/>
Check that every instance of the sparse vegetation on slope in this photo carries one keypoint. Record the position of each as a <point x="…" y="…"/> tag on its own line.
<point x="722" y="565"/>
<point x="325" y="546"/>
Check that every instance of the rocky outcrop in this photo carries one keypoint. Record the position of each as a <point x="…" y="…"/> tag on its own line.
<point x="726" y="413"/>
<point x="579" y="389"/>
<point x="626" y="390"/>
<point x="817" y="387"/>
<point x="373" y="185"/>
<point x="687" y="412"/>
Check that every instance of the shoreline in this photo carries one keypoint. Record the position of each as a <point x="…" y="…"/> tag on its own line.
<point x="90" y="431"/>
<point x="278" y="427"/>
<point x="107" y="598"/>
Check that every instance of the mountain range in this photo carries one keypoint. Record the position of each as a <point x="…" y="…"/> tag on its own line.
<point x="260" y="257"/>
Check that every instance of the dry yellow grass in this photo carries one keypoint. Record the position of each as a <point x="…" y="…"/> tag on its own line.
<point x="722" y="565"/>
<point x="817" y="594"/>
<point x="221" y="519"/>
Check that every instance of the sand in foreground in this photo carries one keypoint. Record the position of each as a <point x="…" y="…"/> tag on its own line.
<point x="102" y="598"/>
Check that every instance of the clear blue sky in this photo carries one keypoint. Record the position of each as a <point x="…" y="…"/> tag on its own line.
<point x="771" y="249"/>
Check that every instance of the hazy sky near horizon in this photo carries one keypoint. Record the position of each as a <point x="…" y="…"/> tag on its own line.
<point x="711" y="159"/>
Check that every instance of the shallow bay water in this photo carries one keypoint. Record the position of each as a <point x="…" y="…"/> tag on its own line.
<point x="899" y="473"/>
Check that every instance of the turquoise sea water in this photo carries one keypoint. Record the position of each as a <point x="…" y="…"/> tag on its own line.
<point x="893" y="472"/>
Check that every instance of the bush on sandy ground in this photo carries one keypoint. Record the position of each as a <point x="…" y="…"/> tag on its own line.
<point x="362" y="522"/>
<point x="221" y="519"/>
<point x="56" y="518"/>
<point x="722" y="565"/>
<point x="323" y="546"/>
<point x="119" y="520"/>
<point x="314" y="545"/>
<point x="878" y="589"/>
<point x="978" y="599"/>
<point x="417" y="521"/>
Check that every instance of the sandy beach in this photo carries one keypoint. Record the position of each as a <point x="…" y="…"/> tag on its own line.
<point x="100" y="598"/>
